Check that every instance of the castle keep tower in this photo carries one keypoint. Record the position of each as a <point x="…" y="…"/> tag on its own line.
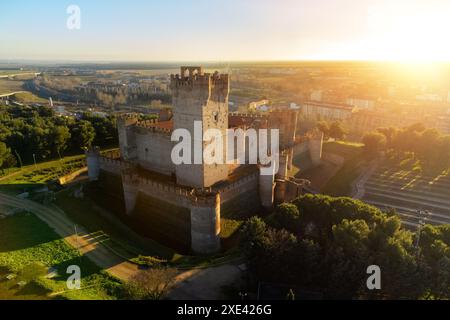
<point x="180" y="205"/>
<point x="203" y="98"/>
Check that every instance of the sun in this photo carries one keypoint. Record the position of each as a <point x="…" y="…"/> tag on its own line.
<point x="409" y="32"/>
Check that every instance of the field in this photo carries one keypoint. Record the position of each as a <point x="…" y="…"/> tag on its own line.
<point x="8" y="86"/>
<point x="128" y="244"/>
<point x="17" y="84"/>
<point x="109" y="230"/>
<point x="84" y="212"/>
<point x="5" y="72"/>
<point x="28" y="248"/>
<point x="28" y="97"/>
<point x="15" y="181"/>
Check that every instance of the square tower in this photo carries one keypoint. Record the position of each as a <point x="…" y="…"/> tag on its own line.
<point x="203" y="98"/>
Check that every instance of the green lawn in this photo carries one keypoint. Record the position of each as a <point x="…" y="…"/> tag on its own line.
<point x="15" y="181"/>
<point x="28" y="97"/>
<point x="341" y="183"/>
<point x="85" y="213"/>
<point x="229" y="227"/>
<point x="28" y="247"/>
<point x="345" y="149"/>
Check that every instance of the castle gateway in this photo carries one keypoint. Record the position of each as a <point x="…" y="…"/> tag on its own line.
<point x="183" y="204"/>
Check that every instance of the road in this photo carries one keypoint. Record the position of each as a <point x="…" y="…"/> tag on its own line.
<point x="19" y="74"/>
<point x="11" y="94"/>
<point x="83" y="240"/>
<point x="195" y="284"/>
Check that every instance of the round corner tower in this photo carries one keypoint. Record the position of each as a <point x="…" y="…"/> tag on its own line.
<point x="205" y="222"/>
<point x="93" y="163"/>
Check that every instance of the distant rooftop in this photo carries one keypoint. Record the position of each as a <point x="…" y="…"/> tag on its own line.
<point x="328" y="105"/>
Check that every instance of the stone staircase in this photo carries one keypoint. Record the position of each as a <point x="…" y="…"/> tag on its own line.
<point x="409" y="193"/>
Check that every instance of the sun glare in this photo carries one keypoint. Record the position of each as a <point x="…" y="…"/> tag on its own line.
<point x="409" y="32"/>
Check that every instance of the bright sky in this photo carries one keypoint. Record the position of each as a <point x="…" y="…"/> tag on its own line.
<point x="219" y="30"/>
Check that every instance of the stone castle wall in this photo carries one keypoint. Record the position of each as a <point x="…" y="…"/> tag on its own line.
<point x="241" y="186"/>
<point x="114" y="166"/>
<point x="154" y="150"/>
<point x="204" y="208"/>
<point x="191" y="208"/>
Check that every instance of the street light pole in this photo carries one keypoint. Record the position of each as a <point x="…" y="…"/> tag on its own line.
<point x="34" y="159"/>
<point x="76" y="239"/>
<point x="19" y="157"/>
<point x="424" y="214"/>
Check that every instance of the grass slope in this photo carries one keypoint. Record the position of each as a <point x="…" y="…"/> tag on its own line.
<point x="27" y="243"/>
<point x="341" y="183"/>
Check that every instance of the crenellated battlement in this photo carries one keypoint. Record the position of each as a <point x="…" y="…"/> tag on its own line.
<point x="128" y="116"/>
<point x="196" y="196"/>
<point x="248" y="115"/>
<point x="151" y="127"/>
<point x="92" y="152"/>
<point x="242" y="181"/>
<point x="126" y="120"/>
<point x="114" y="162"/>
<point x="149" y="122"/>
<point x="191" y="78"/>
<point x="111" y="154"/>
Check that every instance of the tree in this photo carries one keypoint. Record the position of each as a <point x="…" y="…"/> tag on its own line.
<point x="105" y="129"/>
<point x="287" y="216"/>
<point x="389" y="133"/>
<point x="435" y="251"/>
<point x="426" y="145"/>
<point x="337" y="239"/>
<point x="151" y="284"/>
<point x="7" y="160"/>
<point x="426" y="148"/>
<point x="268" y="250"/>
<point x="31" y="130"/>
<point x="374" y="142"/>
<point x="60" y="136"/>
<point x="325" y="128"/>
<point x="337" y="131"/>
<point x="83" y="134"/>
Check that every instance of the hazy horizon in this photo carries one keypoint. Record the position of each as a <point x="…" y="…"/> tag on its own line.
<point x="232" y="31"/>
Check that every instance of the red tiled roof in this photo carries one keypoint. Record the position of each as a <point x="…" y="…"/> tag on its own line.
<point x="164" y="124"/>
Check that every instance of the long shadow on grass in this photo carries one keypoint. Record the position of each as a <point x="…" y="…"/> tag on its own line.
<point x="22" y="231"/>
<point x="87" y="268"/>
<point x="33" y="289"/>
<point x="19" y="188"/>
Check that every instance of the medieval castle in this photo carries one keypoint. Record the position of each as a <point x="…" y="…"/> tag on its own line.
<point x="187" y="200"/>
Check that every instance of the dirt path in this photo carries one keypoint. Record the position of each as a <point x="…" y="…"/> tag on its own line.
<point x="82" y="240"/>
<point x="205" y="284"/>
<point x="11" y="175"/>
<point x="195" y="284"/>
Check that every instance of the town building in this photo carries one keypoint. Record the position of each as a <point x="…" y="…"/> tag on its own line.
<point x="317" y="111"/>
